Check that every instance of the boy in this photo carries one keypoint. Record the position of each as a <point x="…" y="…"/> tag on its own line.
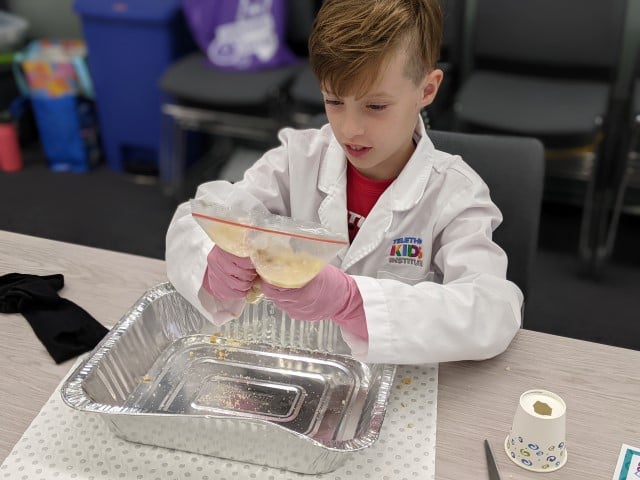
<point x="421" y="281"/>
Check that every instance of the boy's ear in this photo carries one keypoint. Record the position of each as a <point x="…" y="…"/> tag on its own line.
<point x="430" y="86"/>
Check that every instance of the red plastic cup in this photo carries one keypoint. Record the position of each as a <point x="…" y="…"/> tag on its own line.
<point x="10" y="156"/>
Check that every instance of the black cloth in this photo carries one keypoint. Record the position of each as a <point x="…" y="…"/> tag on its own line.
<point x="65" y="329"/>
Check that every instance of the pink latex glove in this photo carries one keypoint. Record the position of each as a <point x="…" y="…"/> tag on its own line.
<point x="331" y="294"/>
<point x="228" y="277"/>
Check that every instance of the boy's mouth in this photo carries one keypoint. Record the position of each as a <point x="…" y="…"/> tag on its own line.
<point x="356" y="150"/>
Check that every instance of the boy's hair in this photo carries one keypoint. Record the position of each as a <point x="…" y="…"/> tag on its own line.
<point x="351" y="40"/>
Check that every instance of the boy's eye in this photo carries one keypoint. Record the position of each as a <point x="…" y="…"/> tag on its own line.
<point x="328" y="101"/>
<point x="376" y="107"/>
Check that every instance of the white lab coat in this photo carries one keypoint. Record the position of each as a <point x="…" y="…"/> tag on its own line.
<point x="454" y="304"/>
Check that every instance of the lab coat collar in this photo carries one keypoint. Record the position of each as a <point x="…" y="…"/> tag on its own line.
<point x="332" y="181"/>
<point x="410" y="185"/>
<point x="407" y="189"/>
<point x="333" y="168"/>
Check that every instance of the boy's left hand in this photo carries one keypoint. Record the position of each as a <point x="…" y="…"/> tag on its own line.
<point x="332" y="294"/>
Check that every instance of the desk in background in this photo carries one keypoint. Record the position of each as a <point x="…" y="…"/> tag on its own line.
<point x="476" y="400"/>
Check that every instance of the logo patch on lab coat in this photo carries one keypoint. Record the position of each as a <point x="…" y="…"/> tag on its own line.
<point x="407" y="251"/>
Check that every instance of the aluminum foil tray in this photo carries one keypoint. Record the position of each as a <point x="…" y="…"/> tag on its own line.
<point x="263" y="389"/>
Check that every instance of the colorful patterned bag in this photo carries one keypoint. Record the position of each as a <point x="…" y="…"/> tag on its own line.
<point x="54" y="75"/>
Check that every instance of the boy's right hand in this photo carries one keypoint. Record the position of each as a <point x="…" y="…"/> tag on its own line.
<point x="228" y="277"/>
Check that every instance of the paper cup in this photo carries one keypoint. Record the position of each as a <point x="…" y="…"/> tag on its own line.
<point x="536" y="441"/>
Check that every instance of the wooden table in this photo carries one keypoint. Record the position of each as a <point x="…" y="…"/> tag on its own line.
<point x="476" y="400"/>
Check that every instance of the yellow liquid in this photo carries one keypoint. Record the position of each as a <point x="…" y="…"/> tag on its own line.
<point x="229" y="238"/>
<point x="254" y="295"/>
<point x="286" y="269"/>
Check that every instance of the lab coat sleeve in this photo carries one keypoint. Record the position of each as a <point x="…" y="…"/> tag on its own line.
<point x="472" y="315"/>
<point x="264" y="186"/>
<point x="187" y="246"/>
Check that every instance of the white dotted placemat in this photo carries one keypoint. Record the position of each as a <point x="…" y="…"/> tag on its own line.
<point x="62" y="443"/>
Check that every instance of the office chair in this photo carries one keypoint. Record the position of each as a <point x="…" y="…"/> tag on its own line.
<point x="513" y="168"/>
<point x="231" y="105"/>
<point x="627" y="176"/>
<point x="304" y="97"/>
<point x="545" y="69"/>
<point x="438" y="114"/>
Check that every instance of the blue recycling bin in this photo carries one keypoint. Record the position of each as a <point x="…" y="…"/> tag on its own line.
<point x="130" y="44"/>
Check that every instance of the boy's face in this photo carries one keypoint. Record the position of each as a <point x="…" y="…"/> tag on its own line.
<point x="376" y="131"/>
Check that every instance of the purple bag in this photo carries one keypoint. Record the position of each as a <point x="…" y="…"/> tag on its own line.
<point x="240" y="34"/>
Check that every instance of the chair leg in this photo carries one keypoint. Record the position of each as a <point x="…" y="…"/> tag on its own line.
<point x="172" y="162"/>
<point x="609" y="225"/>
<point x="612" y="228"/>
<point x="612" y="177"/>
<point x="591" y="202"/>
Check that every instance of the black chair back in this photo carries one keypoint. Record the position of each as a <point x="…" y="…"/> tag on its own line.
<point x="513" y="168"/>
<point x="567" y="34"/>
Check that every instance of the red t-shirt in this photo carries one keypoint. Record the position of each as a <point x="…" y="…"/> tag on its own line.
<point x="362" y="195"/>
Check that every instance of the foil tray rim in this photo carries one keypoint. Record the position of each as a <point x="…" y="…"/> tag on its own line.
<point x="74" y="395"/>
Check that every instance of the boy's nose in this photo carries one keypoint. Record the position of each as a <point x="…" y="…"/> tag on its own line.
<point x="352" y="125"/>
